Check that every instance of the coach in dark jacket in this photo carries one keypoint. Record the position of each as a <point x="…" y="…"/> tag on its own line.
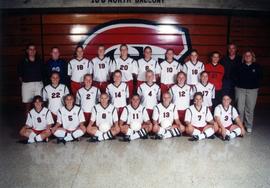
<point x="247" y="81"/>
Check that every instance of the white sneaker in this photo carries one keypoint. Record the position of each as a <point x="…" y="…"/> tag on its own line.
<point x="249" y="130"/>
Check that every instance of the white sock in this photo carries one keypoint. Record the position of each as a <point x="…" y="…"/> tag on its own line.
<point x="68" y="137"/>
<point x="107" y="135"/>
<point x="196" y="132"/>
<point x="60" y="133"/>
<point x="38" y="138"/>
<point x="176" y="132"/>
<point x="201" y="136"/>
<point x="138" y="134"/>
<point x="236" y="132"/>
<point x="161" y="131"/>
<point x="31" y="138"/>
<point x="209" y="132"/>
<point x="168" y="134"/>
<point x="78" y="133"/>
<point x="129" y="132"/>
<point x="99" y="135"/>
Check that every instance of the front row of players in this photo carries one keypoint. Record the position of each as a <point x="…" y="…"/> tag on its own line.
<point x="134" y="121"/>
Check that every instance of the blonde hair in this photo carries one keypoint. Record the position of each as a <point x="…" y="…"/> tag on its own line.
<point x="252" y="54"/>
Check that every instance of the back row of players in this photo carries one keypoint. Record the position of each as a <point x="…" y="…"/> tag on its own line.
<point x="102" y="108"/>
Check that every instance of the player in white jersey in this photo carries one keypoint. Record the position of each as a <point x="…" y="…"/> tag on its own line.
<point x="103" y="124"/>
<point x="100" y="69"/>
<point x="181" y="95"/>
<point x="193" y="68"/>
<point x="38" y="123"/>
<point x="118" y="92"/>
<point x="87" y="97"/>
<point x="166" y="123"/>
<point x="149" y="93"/>
<point x="77" y="68"/>
<point x="134" y="121"/>
<point x="54" y="93"/>
<point x="147" y="63"/>
<point x="168" y="71"/>
<point x="207" y="89"/>
<point x="128" y="67"/>
<point x="199" y="120"/>
<point x="227" y="118"/>
<point x="70" y="121"/>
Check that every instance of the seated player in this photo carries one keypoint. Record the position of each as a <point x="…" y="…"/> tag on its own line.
<point x="118" y="92"/>
<point x="199" y="120"/>
<point x="38" y="123"/>
<point x="134" y="121"/>
<point x="70" y="121"/>
<point x="207" y="89"/>
<point x="166" y="123"/>
<point x="54" y="93"/>
<point x="225" y="116"/>
<point x="103" y="124"/>
<point x="149" y="93"/>
<point x="181" y="95"/>
<point x="87" y="97"/>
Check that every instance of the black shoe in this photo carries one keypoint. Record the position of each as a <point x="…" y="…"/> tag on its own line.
<point x="61" y="140"/>
<point x="93" y="139"/>
<point x="22" y="141"/>
<point x="211" y="137"/>
<point x="158" y="137"/>
<point x="194" y="138"/>
<point x="227" y="138"/>
<point x="145" y="137"/>
<point x="126" y="138"/>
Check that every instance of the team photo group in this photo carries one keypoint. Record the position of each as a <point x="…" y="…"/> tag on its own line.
<point x="104" y="98"/>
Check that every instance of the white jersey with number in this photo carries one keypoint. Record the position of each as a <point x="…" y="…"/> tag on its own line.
<point x="193" y="71"/>
<point x="70" y="119"/>
<point x="101" y="115"/>
<point x="54" y="96"/>
<point x="131" y="114"/>
<point x="168" y="71"/>
<point x="144" y="66"/>
<point x="208" y="92"/>
<point x="181" y="96"/>
<point x="198" y="117"/>
<point x="150" y="95"/>
<point x="100" y="68"/>
<point x="226" y="116"/>
<point x="39" y="120"/>
<point x="128" y="67"/>
<point x="87" y="98"/>
<point x="78" y="68"/>
<point x="162" y="113"/>
<point x="118" y="94"/>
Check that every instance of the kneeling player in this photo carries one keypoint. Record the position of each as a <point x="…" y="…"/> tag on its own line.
<point x="134" y="121"/>
<point x="103" y="124"/>
<point x="165" y="119"/>
<point x="225" y="114"/>
<point x="38" y="123"/>
<point x="70" y="121"/>
<point x="199" y="120"/>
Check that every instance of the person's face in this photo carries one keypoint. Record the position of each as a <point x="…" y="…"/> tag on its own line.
<point x="226" y="101"/>
<point x="169" y="55"/>
<point x="232" y="49"/>
<point x="166" y="98"/>
<point x="101" y="51"/>
<point x="248" y="57"/>
<point x="55" y="53"/>
<point x="104" y="100"/>
<point x="149" y="77"/>
<point x="38" y="104"/>
<point x="88" y="81"/>
<point x="198" y="100"/>
<point x="31" y="51"/>
<point x="55" y="79"/>
<point x="204" y="78"/>
<point x="194" y="56"/>
<point x="181" y="79"/>
<point x="147" y="53"/>
<point x="124" y="51"/>
<point x="69" y="102"/>
<point x="215" y="58"/>
<point x="135" y="101"/>
<point x="117" y="77"/>
<point x="79" y="53"/>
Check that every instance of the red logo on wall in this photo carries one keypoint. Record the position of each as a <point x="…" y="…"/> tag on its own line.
<point x="137" y="34"/>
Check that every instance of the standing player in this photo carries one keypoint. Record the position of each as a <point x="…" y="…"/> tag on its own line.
<point x="169" y="69"/>
<point x="134" y="121"/>
<point x="145" y="64"/>
<point x="101" y="69"/>
<point x="38" y="123"/>
<point x="193" y="68"/>
<point x="54" y="93"/>
<point x="118" y="92"/>
<point x="166" y="123"/>
<point x="225" y="116"/>
<point x="149" y="93"/>
<point x="104" y="121"/>
<point x="70" y="121"/>
<point x="181" y="95"/>
<point x="87" y="97"/>
<point x="207" y="89"/>
<point x="127" y="66"/>
<point x="77" y="68"/>
<point x="199" y="120"/>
